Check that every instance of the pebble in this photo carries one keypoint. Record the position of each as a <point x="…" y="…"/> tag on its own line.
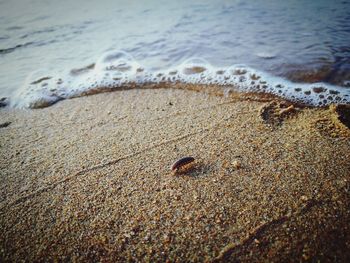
<point x="3" y="102"/>
<point x="236" y="164"/>
<point x="5" y="124"/>
<point x="304" y="198"/>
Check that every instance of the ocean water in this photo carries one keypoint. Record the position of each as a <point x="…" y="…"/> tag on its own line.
<point x="52" y="50"/>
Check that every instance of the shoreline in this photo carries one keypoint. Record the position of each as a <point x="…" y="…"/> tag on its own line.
<point x="89" y="179"/>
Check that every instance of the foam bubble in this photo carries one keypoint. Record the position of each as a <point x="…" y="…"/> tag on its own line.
<point x="194" y="66"/>
<point x="117" y="61"/>
<point x="266" y="55"/>
<point x="39" y="90"/>
<point x="119" y="69"/>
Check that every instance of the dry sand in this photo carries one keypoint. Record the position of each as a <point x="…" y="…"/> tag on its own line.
<point x="89" y="179"/>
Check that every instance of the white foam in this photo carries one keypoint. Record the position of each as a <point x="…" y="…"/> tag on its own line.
<point x="119" y="69"/>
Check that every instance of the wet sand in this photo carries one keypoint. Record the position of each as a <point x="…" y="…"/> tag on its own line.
<point x="89" y="179"/>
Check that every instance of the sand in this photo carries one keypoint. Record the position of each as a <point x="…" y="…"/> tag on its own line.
<point x="89" y="179"/>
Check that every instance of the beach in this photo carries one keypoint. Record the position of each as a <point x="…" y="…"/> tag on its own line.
<point x="90" y="179"/>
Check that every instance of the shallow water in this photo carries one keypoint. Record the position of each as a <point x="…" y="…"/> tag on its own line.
<point x="302" y="41"/>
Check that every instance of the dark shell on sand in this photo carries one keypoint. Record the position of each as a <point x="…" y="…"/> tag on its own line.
<point x="182" y="162"/>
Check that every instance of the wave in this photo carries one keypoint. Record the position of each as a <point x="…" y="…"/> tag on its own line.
<point x="118" y="69"/>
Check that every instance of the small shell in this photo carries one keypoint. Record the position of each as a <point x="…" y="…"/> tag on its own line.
<point x="181" y="162"/>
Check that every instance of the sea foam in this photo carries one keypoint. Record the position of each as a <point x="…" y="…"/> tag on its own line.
<point x="118" y="69"/>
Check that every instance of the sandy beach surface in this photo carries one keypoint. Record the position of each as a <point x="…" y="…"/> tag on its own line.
<point x="89" y="179"/>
